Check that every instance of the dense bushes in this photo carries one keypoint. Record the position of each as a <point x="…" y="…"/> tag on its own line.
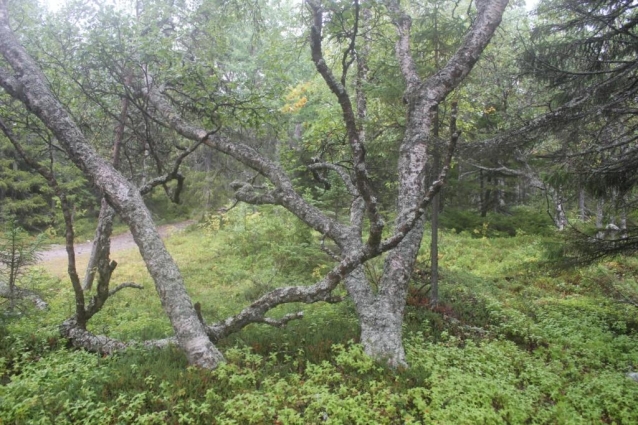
<point x="520" y="220"/>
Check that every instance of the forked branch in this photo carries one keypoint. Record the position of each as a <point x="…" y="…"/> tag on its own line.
<point x="361" y="177"/>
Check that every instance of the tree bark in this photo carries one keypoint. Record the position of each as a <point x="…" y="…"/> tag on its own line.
<point x="434" y="224"/>
<point x="581" y="204"/>
<point x="560" y="217"/>
<point x="28" y="85"/>
<point x="422" y="98"/>
<point x="100" y="252"/>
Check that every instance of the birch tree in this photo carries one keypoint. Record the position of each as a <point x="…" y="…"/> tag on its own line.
<point x="23" y="80"/>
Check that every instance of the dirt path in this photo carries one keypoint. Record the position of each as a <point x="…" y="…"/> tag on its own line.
<point x="118" y="243"/>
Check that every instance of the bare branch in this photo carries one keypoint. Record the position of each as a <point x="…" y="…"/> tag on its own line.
<point x="162" y="180"/>
<point x="328" y="251"/>
<point x="174" y="174"/>
<point x="403" y="23"/>
<point x="125" y="285"/>
<point x="21" y="293"/>
<point x="350" y="50"/>
<point x="104" y="345"/>
<point x="345" y="177"/>
<point x="362" y="179"/>
<point x="280" y="323"/>
<point x="489" y="17"/>
<point x="320" y="291"/>
<point x="101" y="344"/>
<point x="246" y="192"/>
<point x="509" y="172"/>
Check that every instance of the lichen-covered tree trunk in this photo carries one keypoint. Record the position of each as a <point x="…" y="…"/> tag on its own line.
<point x="100" y="251"/>
<point x="26" y="83"/>
<point x="381" y="314"/>
<point x="382" y="319"/>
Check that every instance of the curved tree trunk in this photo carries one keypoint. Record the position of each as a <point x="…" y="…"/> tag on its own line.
<point x="28" y="85"/>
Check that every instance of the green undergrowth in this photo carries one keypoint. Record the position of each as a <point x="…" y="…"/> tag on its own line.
<point x="519" y="221"/>
<point x="511" y="342"/>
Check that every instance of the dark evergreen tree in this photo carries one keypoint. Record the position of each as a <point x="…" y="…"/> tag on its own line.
<point x="586" y="54"/>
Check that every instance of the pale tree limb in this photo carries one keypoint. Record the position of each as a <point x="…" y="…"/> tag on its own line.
<point x="21" y="293"/>
<point x="246" y="192"/>
<point x="102" y="344"/>
<point x="534" y="180"/>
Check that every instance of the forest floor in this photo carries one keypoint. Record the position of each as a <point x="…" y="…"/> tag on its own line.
<point x="513" y="339"/>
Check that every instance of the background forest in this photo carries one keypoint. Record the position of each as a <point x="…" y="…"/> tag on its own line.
<point x="396" y="212"/>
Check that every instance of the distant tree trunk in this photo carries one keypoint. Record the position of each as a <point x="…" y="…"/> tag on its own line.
<point x="560" y="218"/>
<point x="623" y="222"/>
<point x="436" y="163"/>
<point x="599" y="218"/>
<point x="434" y="253"/>
<point x="487" y="197"/>
<point x="481" y="192"/>
<point x="500" y="195"/>
<point x="581" y="204"/>
<point x="28" y="85"/>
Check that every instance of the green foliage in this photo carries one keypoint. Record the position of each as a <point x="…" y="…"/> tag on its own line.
<point x="510" y="343"/>
<point x="23" y="193"/>
<point x="18" y="250"/>
<point x="268" y="235"/>
<point x="522" y="220"/>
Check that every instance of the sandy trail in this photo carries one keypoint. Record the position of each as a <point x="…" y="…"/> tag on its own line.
<point x="118" y="243"/>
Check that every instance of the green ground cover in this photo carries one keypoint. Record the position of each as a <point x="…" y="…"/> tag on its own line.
<point x="513" y="341"/>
